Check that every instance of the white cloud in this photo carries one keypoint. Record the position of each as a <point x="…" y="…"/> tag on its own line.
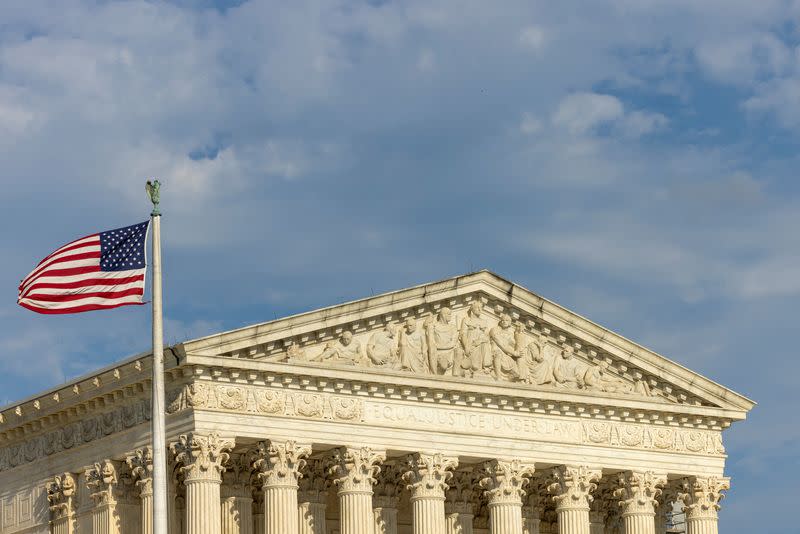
<point x="581" y="112"/>
<point x="639" y="123"/>
<point x="530" y="124"/>
<point x="533" y="38"/>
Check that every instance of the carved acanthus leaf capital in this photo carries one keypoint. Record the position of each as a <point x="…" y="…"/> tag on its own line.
<point x="701" y="496"/>
<point x="60" y="494"/>
<point x="389" y="486"/>
<point x="101" y="479"/>
<point x="354" y="470"/>
<point x="202" y="456"/>
<point x="314" y="482"/>
<point x="505" y="481"/>
<point x="279" y="464"/>
<point x="572" y="486"/>
<point x="140" y="464"/>
<point x="638" y="491"/>
<point x="461" y="492"/>
<point x="236" y="478"/>
<point x="426" y="475"/>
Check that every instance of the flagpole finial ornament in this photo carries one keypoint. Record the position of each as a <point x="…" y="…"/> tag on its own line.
<point x="153" y="190"/>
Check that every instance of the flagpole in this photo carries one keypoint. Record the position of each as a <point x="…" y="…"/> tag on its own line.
<point x="157" y="416"/>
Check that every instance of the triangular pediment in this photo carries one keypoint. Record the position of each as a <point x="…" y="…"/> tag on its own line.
<point x="477" y="328"/>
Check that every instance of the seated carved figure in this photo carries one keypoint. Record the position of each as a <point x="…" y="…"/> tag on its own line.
<point x="474" y="336"/>
<point x="597" y="378"/>
<point x="540" y="362"/>
<point x="442" y="338"/>
<point x="344" y="350"/>
<point x="413" y="354"/>
<point x="568" y="371"/>
<point x="381" y="348"/>
<point x="505" y="355"/>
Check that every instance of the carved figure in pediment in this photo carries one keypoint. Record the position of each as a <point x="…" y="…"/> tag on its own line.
<point x="344" y="350"/>
<point x="474" y="337"/>
<point x="540" y="360"/>
<point x="568" y="371"/>
<point x="506" y="354"/>
<point x="295" y="353"/>
<point x="381" y="349"/>
<point x="598" y="378"/>
<point x="442" y="340"/>
<point x="413" y="354"/>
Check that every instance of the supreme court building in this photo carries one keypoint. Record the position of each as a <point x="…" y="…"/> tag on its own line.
<point x="465" y="406"/>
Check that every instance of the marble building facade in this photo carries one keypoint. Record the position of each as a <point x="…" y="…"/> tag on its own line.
<point x="464" y="406"/>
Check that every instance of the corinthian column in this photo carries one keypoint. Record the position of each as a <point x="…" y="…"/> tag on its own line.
<point x="60" y="495"/>
<point x="533" y="506"/>
<point x="202" y="458"/>
<point x="102" y="482"/>
<point x="236" y="507"/>
<point x="386" y="498"/>
<point x="278" y="466"/>
<point x="669" y="494"/>
<point x="571" y="489"/>
<point x="701" y="497"/>
<point x="140" y="464"/>
<point x="426" y="477"/>
<point x="503" y="483"/>
<point x="459" y="508"/>
<point x="313" y="498"/>
<point x="637" y="497"/>
<point x="354" y="472"/>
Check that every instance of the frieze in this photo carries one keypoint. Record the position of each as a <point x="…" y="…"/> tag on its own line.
<point x="75" y="434"/>
<point x="605" y="433"/>
<point x="247" y="399"/>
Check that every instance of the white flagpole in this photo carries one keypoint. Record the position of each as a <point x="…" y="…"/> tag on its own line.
<point x="157" y="416"/>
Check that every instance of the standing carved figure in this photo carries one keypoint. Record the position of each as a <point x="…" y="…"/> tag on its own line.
<point x="442" y="337"/>
<point x="506" y="353"/>
<point x="413" y="356"/>
<point x="474" y="337"/>
<point x="381" y="349"/>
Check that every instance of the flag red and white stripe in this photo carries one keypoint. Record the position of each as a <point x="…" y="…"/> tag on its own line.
<point x="77" y="277"/>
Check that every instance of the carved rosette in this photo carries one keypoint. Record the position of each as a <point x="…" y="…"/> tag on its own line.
<point x="354" y="470"/>
<point x="701" y="496"/>
<point x="140" y="464"/>
<point x="60" y="495"/>
<point x="203" y="457"/>
<point x="279" y="464"/>
<point x="461" y="493"/>
<point x="572" y="487"/>
<point x="101" y="479"/>
<point x="427" y="475"/>
<point x="387" y="490"/>
<point x="504" y="482"/>
<point x="638" y="492"/>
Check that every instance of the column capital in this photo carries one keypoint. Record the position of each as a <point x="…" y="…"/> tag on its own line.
<point x="572" y="486"/>
<point x="701" y="496"/>
<point x="461" y="493"/>
<point x="313" y="483"/>
<point x="504" y="482"/>
<point x="354" y="469"/>
<point x="426" y="475"/>
<point x="140" y="464"/>
<point x="106" y="485"/>
<point x="638" y="490"/>
<point x="202" y="456"/>
<point x="279" y="464"/>
<point x="236" y="477"/>
<point x="389" y="486"/>
<point x="60" y="494"/>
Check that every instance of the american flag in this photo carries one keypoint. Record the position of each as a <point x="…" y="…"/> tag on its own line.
<point x="95" y="272"/>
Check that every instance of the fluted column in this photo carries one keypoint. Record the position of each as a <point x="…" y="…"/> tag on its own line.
<point x="140" y="464"/>
<point x="571" y="490"/>
<point x="202" y="459"/>
<point x="236" y="508"/>
<point x="637" y="497"/>
<point x="504" y="484"/>
<point x="278" y="466"/>
<point x="312" y="498"/>
<point x="701" y="497"/>
<point x="102" y="481"/>
<point x="669" y="494"/>
<point x="533" y="506"/>
<point x="386" y="497"/>
<point x="354" y="471"/>
<point x="459" y="508"/>
<point x="426" y="477"/>
<point x="61" y="497"/>
<point x="258" y="507"/>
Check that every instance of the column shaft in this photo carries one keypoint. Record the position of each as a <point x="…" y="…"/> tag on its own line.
<point x="530" y="525"/>
<point x="704" y="525"/>
<point x="203" y="507"/>
<point x="147" y="513"/>
<point x="355" y="512"/>
<point x="457" y="523"/>
<point x="385" y="520"/>
<point x="311" y="516"/>
<point x="280" y="509"/>
<point x="505" y="518"/>
<point x="639" y="523"/>
<point x="237" y="515"/>
<point x="573" y="521"/>
<point x="428" y="515"/>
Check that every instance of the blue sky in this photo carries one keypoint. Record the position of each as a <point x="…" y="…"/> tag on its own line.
<point x="633" y="160"/>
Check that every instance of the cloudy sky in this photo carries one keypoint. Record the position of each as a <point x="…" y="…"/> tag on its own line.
<point x="633" y="160"/>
